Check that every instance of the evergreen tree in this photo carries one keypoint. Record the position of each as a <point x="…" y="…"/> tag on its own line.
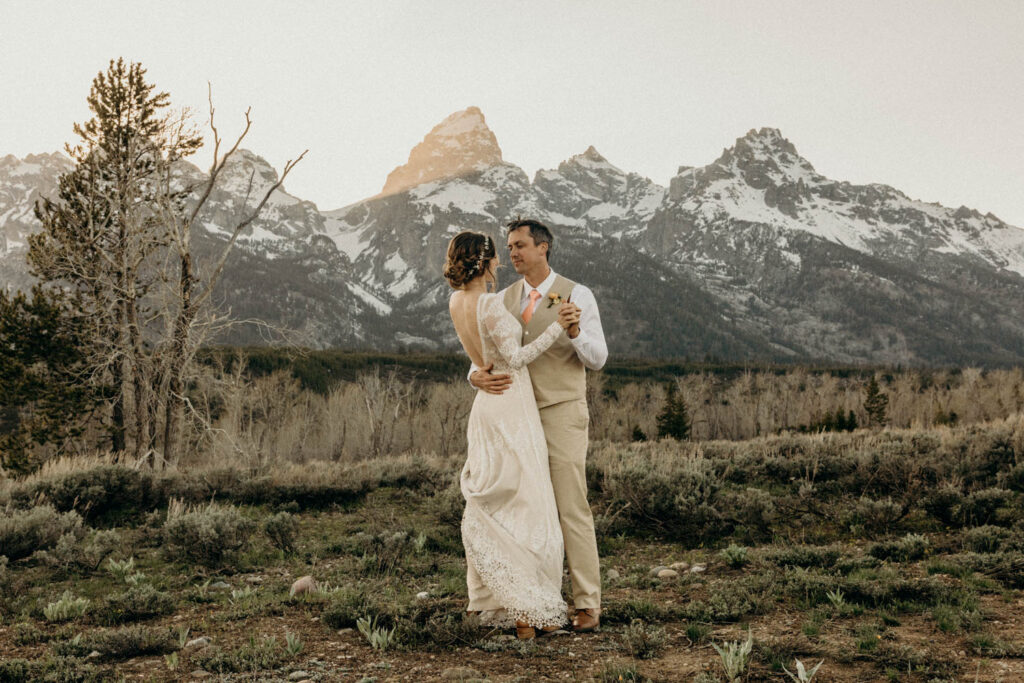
<point x="43" y="396"/>
<point x="875" y="403"/>
<point x="105" y="232"/>
<point x="674" y="421"/>
<point x="638" y="434"/>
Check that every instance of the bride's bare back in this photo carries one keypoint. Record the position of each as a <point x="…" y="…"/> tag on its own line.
<point x="462" y="307"/>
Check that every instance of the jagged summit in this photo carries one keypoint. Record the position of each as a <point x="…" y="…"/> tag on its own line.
<point x="460" y="144"/>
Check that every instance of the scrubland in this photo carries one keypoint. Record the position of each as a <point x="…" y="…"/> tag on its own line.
<point x="892" y="553"/>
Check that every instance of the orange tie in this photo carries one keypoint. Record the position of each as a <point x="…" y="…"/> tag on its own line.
<point x="528" y="313"/>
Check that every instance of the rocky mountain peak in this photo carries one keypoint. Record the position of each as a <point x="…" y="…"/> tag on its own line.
<point x="461" y="144"/>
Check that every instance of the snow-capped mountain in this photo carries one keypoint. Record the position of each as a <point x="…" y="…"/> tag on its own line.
<point x="754" y="255"/>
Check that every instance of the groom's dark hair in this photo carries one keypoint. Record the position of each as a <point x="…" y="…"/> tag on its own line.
<point x="538" y="231"/>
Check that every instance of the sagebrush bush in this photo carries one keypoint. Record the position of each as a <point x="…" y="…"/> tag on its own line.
<point x="643" y="641"/>
<point x="135" y="604"/>
<point x="23" y="532"/>
<point x="907" y="549"/>
<point x="991" y="506"/>
<point x="282" y="529"/>
<point x="105" y="494"/>
<point x="985" y="539"/>
<point x="804" y="556"/>
<point x="131" y="641"/>
<point x="876" y="516"/>
<point x="208" y="535"/>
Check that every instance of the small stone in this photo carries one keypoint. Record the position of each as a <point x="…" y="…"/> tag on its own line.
<point x="220" y="586"/>
<point x="94" y="654"/>
<point x="304" y="584"/>
<point x="612" y="574"/>
<point x="654" y="570"/>
<point x="254" y="579"/>
<point x="698" y="568"/>
<point x="422" y="595"/>
<point x="199" y="673"/>
<point x="201" y="641"/>
<point x="505" y="637"/>
<point x="679" y="566"/>
<point x="459" y="673"/>
<point x="668" y="574"/>
<point x="298" y="675"/>
<point x="345" y="631"/>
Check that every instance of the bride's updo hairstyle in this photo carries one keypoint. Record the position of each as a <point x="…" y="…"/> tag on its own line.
<point x="469" y="254"/>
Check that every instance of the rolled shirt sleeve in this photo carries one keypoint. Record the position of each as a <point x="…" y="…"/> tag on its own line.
<point x="590" y="344"/>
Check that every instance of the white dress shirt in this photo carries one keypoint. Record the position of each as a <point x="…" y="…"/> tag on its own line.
<point x="590" y="345"/>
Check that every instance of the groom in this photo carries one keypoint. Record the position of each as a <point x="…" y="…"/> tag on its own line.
<point x="560" y="386"/>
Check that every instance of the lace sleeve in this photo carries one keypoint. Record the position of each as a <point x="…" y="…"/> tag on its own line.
<point x="504" y="331"/>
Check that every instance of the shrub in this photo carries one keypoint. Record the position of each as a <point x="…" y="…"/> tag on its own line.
<point x="907" y="549"/>
<point x="735" y="556"/>
<point x="642" y="641"/>
<point x="945" y="504"/>
<point x="753" y="509"/>
<point x="985" y="539"/>
<point x="137" y="603"/>
<point x="255" y="655"/>
<point x="22" y="532"/>
<point x="282" y="530"/>
<point x="68" y="607"/>
<point x="347" y="606"/>
<point x="676" y="498"/>
<point x="990" y="506"/>
<point x="106" y="494"/>
<point x="132" y="641"/>
<point x="207" y="535"/>
<point x="804" y="556"/>
<point x="876" y="515"/>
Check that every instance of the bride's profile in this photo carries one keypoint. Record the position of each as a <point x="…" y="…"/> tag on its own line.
<point x="510" y="527"/>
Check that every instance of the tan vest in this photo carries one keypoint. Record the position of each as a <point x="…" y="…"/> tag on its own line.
<point x="558" y="374"/>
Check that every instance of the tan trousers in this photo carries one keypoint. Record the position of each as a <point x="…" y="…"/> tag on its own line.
<point x="566" y="431"/>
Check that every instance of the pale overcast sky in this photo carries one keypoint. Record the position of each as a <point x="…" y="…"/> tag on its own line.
<point x="926" y="96"/>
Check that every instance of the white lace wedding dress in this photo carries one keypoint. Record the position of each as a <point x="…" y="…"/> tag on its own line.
<point x="510" y="525"/>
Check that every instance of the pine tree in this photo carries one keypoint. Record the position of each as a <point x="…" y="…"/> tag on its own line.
<point x="43" y="399"/>
<point x="674" y="421"/>
<point x="875" y="403"/>
<point x="104" y="233"/>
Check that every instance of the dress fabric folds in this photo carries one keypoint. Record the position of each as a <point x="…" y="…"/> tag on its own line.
<point x="510" y="530"/>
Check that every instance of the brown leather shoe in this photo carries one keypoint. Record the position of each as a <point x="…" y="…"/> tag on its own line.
<point x="524" y="631"/>
<point x="586" y="620"/>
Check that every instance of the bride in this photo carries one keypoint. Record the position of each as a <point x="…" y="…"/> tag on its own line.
<point x="510" y="525"/>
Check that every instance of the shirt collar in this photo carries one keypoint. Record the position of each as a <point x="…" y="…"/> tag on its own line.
<point x="543" y="287"/>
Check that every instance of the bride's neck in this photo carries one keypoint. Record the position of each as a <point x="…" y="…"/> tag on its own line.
<point x="476" y="286"/>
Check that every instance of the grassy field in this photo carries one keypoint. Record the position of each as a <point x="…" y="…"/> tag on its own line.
<point x="894" y="555"/>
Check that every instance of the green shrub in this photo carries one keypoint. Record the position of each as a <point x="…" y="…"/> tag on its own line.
<point x="735" y="556"/>
<point x="991" y="506"/>
<point x="804" y="556"/>
<point x="135" y="604"/>
<point x="753" y="510"/>
<point x="68" y="607"/>
<point x="907" y="549"/>
<point x="106" y="494"/>
<point x="22" y="532"/>
<point x="208" y="535"/>
<point x="985" y="539"/>
<point x="876" y="516"/>
<point x="282" y="529"/>
<point x="945" y="503"/>
<point x="132" y="641"/>
<point x="642" y="641"/>
<point x="266" y="653"/>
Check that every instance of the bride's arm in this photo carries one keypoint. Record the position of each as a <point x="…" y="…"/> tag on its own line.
<point x="505" y="331"/>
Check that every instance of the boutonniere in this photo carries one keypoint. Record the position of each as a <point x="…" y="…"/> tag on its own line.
<point x="554" y="298"/>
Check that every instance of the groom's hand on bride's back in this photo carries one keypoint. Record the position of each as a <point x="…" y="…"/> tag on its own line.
<point x="493" y="384"/>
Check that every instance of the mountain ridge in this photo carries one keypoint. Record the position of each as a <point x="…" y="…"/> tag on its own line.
<point x="754" y="255"/>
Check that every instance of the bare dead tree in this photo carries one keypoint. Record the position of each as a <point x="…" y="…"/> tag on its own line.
<point x="189" y="317"/>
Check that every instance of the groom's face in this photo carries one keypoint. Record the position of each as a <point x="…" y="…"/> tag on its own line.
<point x="524" y="254"/>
